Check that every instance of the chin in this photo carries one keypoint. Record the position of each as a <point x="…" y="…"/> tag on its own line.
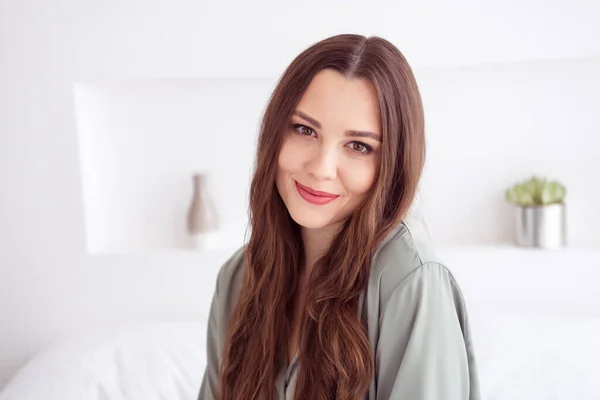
<point x="310" y="220"/>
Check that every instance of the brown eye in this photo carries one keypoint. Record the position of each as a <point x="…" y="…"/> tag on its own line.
<point x="360" y="148"/>
<point x="304" y="130"/>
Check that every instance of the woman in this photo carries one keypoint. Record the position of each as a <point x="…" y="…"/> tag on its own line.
<point x="332" y="297"/>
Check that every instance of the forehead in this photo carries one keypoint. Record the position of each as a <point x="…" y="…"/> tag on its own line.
<point x="341" y="103"/>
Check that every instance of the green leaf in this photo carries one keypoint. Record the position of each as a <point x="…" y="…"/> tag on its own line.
<point x="536" y="191"/>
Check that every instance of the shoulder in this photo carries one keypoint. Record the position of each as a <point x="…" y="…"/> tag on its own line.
<point x="229" y="277"/>
<point x="399" y="257"/>
<point x="407" y="274"/>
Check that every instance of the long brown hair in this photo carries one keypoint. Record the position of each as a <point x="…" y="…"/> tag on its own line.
<point x="336" y="361"/>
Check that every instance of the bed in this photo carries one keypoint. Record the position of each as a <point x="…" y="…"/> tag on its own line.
<point x="519" y="356"/>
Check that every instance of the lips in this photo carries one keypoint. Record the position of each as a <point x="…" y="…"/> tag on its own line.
<point x="315" y="196"/>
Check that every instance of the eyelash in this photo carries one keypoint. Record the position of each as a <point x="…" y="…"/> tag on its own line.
<point x="368" y="149"/>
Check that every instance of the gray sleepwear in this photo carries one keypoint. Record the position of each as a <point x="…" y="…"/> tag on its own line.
<point x="417" y="326"/>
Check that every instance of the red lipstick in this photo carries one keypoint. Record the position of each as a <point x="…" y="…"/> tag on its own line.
<point x="315" y="196"/>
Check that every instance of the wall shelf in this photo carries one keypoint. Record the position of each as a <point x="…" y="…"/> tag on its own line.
<point x="140" y="141"/>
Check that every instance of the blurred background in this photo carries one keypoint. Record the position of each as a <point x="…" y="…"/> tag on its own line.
<point x="108" y="109"/>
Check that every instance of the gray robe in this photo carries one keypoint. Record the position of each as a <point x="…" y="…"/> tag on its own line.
<point x="417" y="326"/>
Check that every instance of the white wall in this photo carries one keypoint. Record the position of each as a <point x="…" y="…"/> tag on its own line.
<point x="141" y="142"/>
<point x="488" y="126"/>
<point x="50" y="286"/>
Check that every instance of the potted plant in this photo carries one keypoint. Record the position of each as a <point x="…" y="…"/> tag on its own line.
<point x="540" y="212"/>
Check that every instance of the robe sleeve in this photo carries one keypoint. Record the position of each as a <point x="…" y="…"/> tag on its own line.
<point x="217" y="327"/>
<point x="423" y="350"/>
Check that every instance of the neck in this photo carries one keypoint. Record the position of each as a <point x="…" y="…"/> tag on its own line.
<point x="316" y="243"/>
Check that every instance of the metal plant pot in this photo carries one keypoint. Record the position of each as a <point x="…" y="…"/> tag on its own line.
<point x="542" y="226"/>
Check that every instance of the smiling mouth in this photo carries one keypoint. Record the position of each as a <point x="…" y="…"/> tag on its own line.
<point x="315" y="196"/>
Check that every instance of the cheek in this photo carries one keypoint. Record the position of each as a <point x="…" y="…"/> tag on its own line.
<point x="358" y="178"/>
<point x="290" y="159"/>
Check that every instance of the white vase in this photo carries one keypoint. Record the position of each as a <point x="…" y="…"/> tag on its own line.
<point x="202" y="218"/>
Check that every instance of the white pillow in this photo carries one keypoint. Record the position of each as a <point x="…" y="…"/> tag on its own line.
<point x="519" y="357"/>
<point x="146" y="362"/>
<point x="537" y="357"/>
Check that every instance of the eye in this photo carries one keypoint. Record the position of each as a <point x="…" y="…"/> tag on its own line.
<point x="304" y="130"/>
<point x="360" y="147"/>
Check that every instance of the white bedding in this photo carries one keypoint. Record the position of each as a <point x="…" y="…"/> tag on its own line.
<point x="146" y="361"/>
<point x="519" y="357"/>
<point x="538" y="358"/>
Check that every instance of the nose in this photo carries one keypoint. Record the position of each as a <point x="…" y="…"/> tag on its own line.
<point x="323" y="165"/>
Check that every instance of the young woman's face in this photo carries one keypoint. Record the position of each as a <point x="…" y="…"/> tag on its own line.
<point x="331" y="149"/>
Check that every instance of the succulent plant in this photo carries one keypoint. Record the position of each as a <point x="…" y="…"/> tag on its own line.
<point x="536" y="192"/>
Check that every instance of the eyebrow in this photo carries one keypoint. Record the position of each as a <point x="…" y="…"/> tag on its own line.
<point x="352" y="133"/>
